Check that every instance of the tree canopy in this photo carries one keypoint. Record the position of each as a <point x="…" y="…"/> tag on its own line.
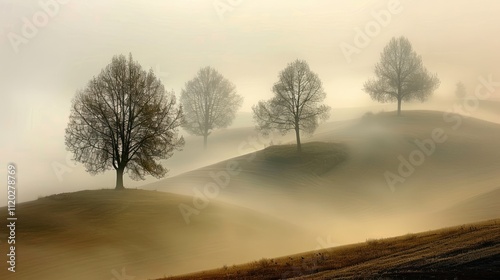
<point x="124" y="120"/>
<point x="400" y="75"/>
<point x="210" y="102"/>
<point x="296" y="104"/>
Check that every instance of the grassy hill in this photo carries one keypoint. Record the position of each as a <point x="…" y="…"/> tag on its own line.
<point x="285" y="203"/>
<point x="316" y="158"/>
<point x="93" y="234"/>
<point x="470" y="251"/>
<point x="354" y="196"/>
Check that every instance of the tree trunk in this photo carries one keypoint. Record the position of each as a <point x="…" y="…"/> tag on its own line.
<point x="297" y="135"/>
<point x="119" y="179"/>
<point x="205" y="141"/>
<point x="399" y="107"/>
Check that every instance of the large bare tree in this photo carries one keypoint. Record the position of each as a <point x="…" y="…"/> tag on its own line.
<point x="296" y="104"/>
<point x="210" y="102"/>
<point x="124" y="120"/>
<point x="400" y="75"/>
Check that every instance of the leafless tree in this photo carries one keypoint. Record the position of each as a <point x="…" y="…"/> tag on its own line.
<point x="124" y="120"/>
<point x="400" y="75"/>
<point x="296" y="104"/>
<point x="210" y="102"/>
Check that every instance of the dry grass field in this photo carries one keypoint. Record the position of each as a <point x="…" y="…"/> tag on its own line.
<point x="470" y="251"/>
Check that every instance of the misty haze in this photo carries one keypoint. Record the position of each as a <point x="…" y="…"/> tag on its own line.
<point x="218" y="139"/>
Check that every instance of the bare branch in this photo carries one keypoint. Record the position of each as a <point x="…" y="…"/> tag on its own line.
<point x="400" y="75"/>
<point x="124" y="120"/>
<point x="296" y="104"/>
<point x="210" y="102"/>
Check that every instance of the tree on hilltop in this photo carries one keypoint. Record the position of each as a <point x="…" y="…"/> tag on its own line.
<point x="124" y="120"/>
<point x="296" y="104"/>
<point x="400" y="75"/>
<point x="210" y="102"/>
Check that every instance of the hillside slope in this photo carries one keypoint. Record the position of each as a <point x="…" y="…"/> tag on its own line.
<point x="470" y="251"/>
<point x="355" y="196"/>
<point x="96" y="234"/>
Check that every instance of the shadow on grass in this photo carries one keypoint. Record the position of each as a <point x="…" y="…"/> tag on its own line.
<point x="316" y="157"/>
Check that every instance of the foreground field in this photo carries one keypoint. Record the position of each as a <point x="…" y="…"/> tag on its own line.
<point x="108" y="234"/>
<point x="469" y="251"/>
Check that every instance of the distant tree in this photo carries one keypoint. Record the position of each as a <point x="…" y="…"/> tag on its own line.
<point x="210" y="102"/>
<point x="400" y="75"/>
<point x="460" y="91"/>
<point x="296" y="104"/>
<point x="124" y="120"/>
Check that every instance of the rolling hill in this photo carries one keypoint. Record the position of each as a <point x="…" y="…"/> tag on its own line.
<point x="95" y="234"/>
<point x="355" y="196"/>
<point x="271" y="203"/>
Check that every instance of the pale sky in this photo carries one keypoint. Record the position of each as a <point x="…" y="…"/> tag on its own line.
<point x="48" y="51"/>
